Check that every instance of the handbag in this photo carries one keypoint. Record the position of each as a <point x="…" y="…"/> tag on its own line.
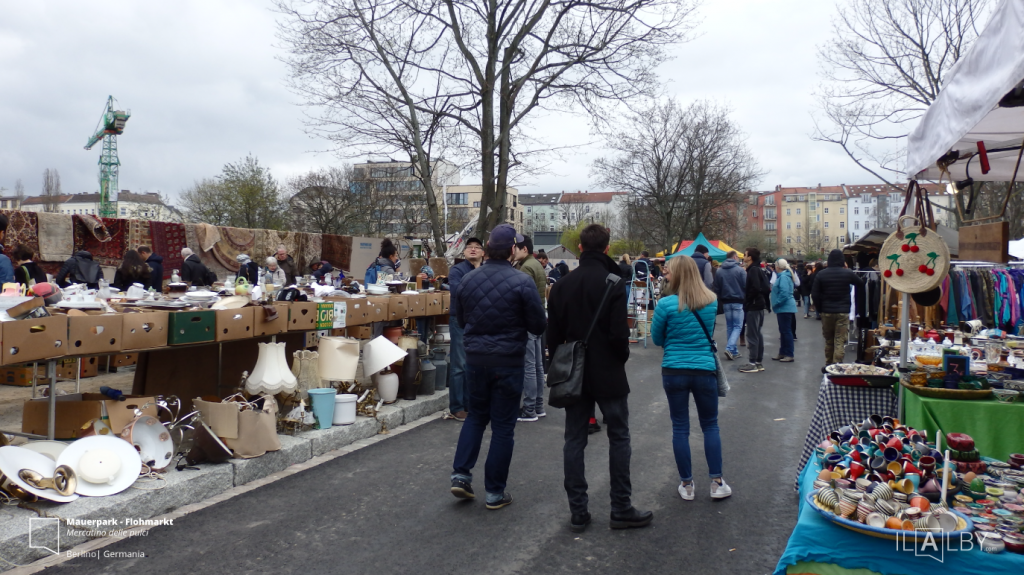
<point x="723" y="381"/>
<point x="915" y="258"/>
<point x="565" y="374"/>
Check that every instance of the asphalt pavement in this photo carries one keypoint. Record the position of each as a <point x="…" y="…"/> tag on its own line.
<point x="386" y="508"/>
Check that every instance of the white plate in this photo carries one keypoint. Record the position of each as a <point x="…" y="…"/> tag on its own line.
<point x="51" y="449"/>
<point x="232" y="302"/>
<point x="204" y="294"/>
<point x="14" y="459"/>
<point x="131" y="464"/>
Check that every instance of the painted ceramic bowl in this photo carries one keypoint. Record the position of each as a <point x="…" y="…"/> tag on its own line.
<point x="1014" y="543"/>
<point x="990" y="542"/>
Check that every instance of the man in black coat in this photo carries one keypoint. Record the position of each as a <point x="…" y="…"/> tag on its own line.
<point x="156" y="263"/>
<point x="831" y="296"/>
<point x="193" y="270"/>
<point x="755" y="302"/>
<point x="572" y="305"/>
<point x="79" y="269"/>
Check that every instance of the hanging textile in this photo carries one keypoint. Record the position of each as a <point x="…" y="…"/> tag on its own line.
<point x="168" y="240"/>
<point x="56" y="237"/>
<point x="106" y="239"/>
<point x="22" y="229"/>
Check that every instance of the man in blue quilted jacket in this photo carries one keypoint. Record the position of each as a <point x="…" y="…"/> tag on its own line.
<point x="497" y="306"/>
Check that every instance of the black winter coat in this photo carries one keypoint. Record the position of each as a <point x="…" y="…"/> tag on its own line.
<point x="156" y="277"/>
<point x="757" y="289"/>
<point x="571" y="307"/>
<point x="497" y="305"/>
<point x="831" y="290"/>
<point x="124" y="281"/>
<point x="195" y="271"/>
<point x="29" y="271"/>
<point x="79" y="269"/>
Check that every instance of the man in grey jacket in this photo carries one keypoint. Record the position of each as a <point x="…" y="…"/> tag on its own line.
<point x="700" y="255"/>
<point x="730" y="286"/>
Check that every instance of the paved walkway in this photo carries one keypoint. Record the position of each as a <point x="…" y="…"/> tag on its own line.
<point x="386" y="508"/>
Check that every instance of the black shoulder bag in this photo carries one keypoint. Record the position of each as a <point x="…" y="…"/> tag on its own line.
<point x="565" y="374"/>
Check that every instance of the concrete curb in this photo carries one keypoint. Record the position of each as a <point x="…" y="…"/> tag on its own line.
<point x="184" y="488"/>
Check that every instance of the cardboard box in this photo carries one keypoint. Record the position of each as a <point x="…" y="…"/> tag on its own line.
<point x="34" y="339"/>
<point x="185" y="327"/>
<point x="74" y="411"/>
<point x="234" y="323"/>
<point x="94" y="333"/>
<point x="144" y="330"/>
<point x="20" y="375"/>
<point x="434" y="304"/>
<point x="377" y="309"/>
<point x="364" y="253"/>
<point x="446" y="302"/>
<point x="261" y="327"/>
<point x="330" y="315"/>
<point x="124" y="359"/>
<point x="417" y="305"/>
<point x="359" y="331"/>
<point x="90" y="367"/>
<point x="359" y="312"/>
<point x="398" y="307"/>
<point x="302" y="316"/>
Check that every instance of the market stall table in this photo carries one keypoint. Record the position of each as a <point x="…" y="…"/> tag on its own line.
<point x="816" y="540"/>
<point x="839" y="405"/>
<point x="997" y="428"/>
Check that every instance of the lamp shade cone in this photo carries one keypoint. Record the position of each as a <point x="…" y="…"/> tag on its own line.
<point x="339" y="357"/>
<point x="271" y="374"/>
<point x="380" y="353"/>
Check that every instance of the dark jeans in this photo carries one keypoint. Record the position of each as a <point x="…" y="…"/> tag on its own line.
<point x="705" y="395"/>
<point x="458" y="397"/>
<point x="493" y="398"/>
<point x="616" y="418"/>
<point x="786" y="333"/>
<point x="755" y="341"/>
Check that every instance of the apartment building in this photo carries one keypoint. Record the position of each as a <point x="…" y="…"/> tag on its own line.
<point x="464" y="203"/>
<point x="598" y="207"/>
<point x="542" y="212"/>
<point x="760" y="213"/>
<point x="128" y="205"/>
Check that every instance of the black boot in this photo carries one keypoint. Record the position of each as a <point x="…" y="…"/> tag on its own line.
<point x="631" y="518"/>
<point x="578" y="523"/>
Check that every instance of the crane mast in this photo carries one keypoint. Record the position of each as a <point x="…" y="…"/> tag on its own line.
<point x="111" y="125"/>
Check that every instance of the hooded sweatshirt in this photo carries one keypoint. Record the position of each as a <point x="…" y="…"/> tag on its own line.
<point x="156" y="279"/>
<point x="730" y="282"/>
<point x="831" y="290"/>
<point x="325" y="268"/>
<point x="79" y="269"/>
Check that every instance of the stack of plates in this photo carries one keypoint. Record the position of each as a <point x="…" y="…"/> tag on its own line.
<point x="200" y="296"/>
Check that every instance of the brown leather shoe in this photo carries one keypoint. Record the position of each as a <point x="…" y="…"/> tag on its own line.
<point x="461" y="415"/>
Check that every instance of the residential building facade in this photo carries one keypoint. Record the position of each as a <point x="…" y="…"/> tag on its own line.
<point x="542" y="212"/>
<point x="464" y="203"/>
<point x="608" y="208"/>
<point x="129" y="205"/>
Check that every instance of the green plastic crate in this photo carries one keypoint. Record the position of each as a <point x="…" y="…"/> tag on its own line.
<point x="191" y="327"/>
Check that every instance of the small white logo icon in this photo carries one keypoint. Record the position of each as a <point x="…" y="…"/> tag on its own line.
<point x="44" y="530"/>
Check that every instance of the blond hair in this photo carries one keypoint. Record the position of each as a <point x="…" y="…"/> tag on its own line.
<point x="687" y="284"/>
<point x="781" y="265"/>
<point x="625" y="258"/>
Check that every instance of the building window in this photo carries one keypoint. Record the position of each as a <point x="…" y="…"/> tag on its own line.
<point x="476" y="204"/>
<point x="812" y="205"/>
<point x="842" y="210"/>
<point x="801" y="198"/>
<point x="842" y="225"/>
<point x="458" y="199"/>
<point x="798" y="224"/>
<point x="124" y="211"/>
<point x="551" y="228"/>
<point x="856" y="225"/>
<point x="769" y="226"/>
<point x="529" y="209"/>
<point x="753" y="214"/>
<point x="789" y="225"/>
<point x="826" y="210"/>
<point x="798" y="211"/>
<point x="799" y="239"/>
<point x="817" y="218"/>
<point x="826" y="224"/>
<point x="826" y="239"/>
<point x="769" y="201"/>
<point x="856" y="211"/>
<point x="788" y="212"/>
<point x="789" y="240"/>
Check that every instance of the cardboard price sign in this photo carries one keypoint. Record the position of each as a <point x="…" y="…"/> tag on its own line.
<point x="331" y="315"/>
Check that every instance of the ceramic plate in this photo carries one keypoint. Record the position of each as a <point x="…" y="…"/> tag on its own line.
<point x="51" y="449"/>
<point x="963" y="525"/>
<point x="131" y="464"/>
<point x="14" y="459"/>
<point x="232" y="302"/>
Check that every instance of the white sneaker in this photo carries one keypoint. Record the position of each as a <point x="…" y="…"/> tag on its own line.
<point x="720" y="491"/>
<point x="686" y="491"/>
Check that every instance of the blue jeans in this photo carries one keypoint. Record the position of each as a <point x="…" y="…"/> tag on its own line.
<point x="705" y="394"/>
<point x="533" y="378"/>
<point x="458" y="399"/>
<point x="493" y="399"/>
<point x="807" y="305"/>
<point x="733" y="325"/>
<point x="786" y="333"/>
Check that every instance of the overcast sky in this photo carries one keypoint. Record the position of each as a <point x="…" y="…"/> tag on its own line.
<point x="204" y="87"/>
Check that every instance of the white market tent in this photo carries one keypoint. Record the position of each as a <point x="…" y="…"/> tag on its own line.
<point x="967" y="109"/>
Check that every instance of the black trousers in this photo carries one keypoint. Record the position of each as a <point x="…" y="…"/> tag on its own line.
<point x="616" y="417"/>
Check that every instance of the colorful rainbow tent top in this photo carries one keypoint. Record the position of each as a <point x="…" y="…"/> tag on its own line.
<point x="717" y="249"/>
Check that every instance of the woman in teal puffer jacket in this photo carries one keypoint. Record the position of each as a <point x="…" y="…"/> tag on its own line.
<point x="784" y="307"/>
<point x="688" y="367"/>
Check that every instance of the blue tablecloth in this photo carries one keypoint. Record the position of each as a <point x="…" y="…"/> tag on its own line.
<point x="816" y="539"/>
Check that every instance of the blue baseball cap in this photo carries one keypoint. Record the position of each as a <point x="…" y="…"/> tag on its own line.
<point x="503" y="237"/>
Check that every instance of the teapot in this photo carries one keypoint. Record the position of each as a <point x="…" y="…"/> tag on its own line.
<point x="242" y="286"/>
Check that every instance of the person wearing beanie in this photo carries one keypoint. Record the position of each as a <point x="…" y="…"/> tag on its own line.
<point x="831" y="296"/>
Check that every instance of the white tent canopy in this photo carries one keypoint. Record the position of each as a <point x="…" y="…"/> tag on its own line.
<point x="967" y="108"/>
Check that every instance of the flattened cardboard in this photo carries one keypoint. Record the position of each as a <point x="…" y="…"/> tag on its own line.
<point x="434" y="303"/>
<point x="185" y="327"/>
<point x="74" y="411"/>
<point x="262" y="327"/>
<point x="417" y="305"/>
<point x="302" y="316"/>
<point x="34" y="339"/>
<point x="144" y="330"/>
<point x="234" y="323"/>
<point x="88" y="334"/>
<point x="221" y="417"/>
<point x="398" y="307"/>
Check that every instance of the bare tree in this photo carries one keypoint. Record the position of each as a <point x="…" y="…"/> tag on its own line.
<point x="571" y="213"/>
<point x="19" y="193"/>
<point x="455" y="71"/>
<point x="884" y="66"/>
<point x="323" y="201"/>
<point x="51" y="190"/>
<point x="683" y="168"/>
<point x="206" y="201"/>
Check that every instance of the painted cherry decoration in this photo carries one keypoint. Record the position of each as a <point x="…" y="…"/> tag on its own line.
<point x="922" y="268"/>
<point x="905" y="248"/>
<point x="887" y="273"/>
<point x="914" y="248"/>
<point x="930" y="272"/>
<point x="899" y="272"/>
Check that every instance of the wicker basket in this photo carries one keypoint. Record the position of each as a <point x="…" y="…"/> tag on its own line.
<point x="914" y="259"/>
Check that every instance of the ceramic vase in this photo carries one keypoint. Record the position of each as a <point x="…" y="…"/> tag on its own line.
<point x="387" y="386"/>
<point x="410" y="369"/>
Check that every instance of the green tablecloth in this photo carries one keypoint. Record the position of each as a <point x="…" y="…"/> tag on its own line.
<point x="997" y="428"/>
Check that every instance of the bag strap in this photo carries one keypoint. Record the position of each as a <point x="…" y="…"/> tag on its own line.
<point x="613" y="280"/>
<point x="702" y="326"/>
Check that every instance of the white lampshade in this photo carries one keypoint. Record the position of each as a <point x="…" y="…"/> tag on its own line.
<point x="379" y="354"/>
<point x="339" y="357"/>
<point x="271" y="374"/>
